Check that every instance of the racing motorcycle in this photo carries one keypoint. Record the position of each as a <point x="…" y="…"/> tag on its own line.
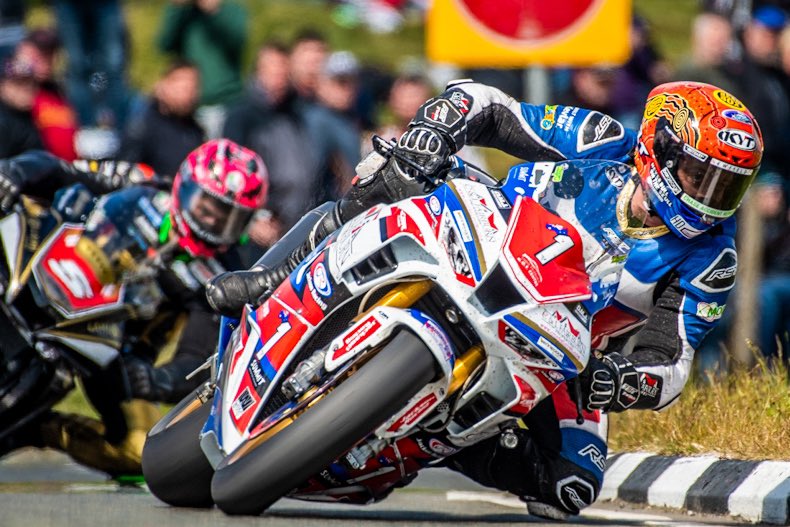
<point x="71" y="274"/>
<point x="416" y="329"/>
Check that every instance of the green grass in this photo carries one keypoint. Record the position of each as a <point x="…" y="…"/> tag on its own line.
<point x="743" y="415"/>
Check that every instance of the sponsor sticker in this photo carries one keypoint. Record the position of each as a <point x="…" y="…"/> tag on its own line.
<point x="719" y="276"/>
<point x="436" y="206"/>
<point x="737" y="139"/>
<point x="440" y="448"/>
<point x="242" y="403"/>
<point x="500" y="199"/>
<point x="321" y="280"/>
<point x="735" y="115"/>
<point x="443" y="112"/>
<point x="728" y="100"/>
<point x="548" y="117"/>
<point x="463" y="226"/>
<point x="710" y="312"/>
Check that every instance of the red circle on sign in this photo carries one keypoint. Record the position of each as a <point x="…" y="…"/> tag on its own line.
<point x="528" y="19"/>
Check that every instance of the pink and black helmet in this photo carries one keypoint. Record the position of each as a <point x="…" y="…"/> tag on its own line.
<point x="217" y="189"/>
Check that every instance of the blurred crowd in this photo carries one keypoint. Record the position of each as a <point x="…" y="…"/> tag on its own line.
<point x="309" y="109"/>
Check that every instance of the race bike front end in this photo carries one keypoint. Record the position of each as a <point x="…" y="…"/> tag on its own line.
<point x="415" y="330"/>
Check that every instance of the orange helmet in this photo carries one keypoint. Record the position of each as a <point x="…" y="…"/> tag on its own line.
<point x="699" y="149"/>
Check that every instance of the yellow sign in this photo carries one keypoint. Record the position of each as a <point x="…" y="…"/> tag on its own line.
<point x="514" y="33"/>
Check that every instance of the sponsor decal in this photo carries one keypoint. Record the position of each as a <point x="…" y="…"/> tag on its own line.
<point x="719" y="276"/>
<point x="670" y="181"/>
<point x="439" y="336"/>
<point x="153" y="215"/>
<point x="282" y="330"/>
<point x="567" y="115"/>
<point x="683" y="227"/>
<point x="710" y="312"/>
<point x="415" y="412"/>
<point x="649" y="386"/>
<point x="553" y="375"/>
<point x="737" y="139"/>
<point x="256" y="374"/>
<point x="530" y="267"/>
<point x="659" y="188"/>
<point x="527" y="396"/>
<point x="321" y="280"/>
<point x="463" y="226"/>
<point x="728" y="100"/>
<point x="357" y="337"/>
<point x="539" y="175"/>
<point x="629" y="389"/>
<point x="558" y="172"/>
<point x="242" y="403"/>
<point x="440" y="448"/>
<point x="596" y="130"/>
<point x="548" y="117"/>
<point x="455" y="250"/>
<point x="616" y="242"/>
<point x="595" y="455"/>
<point x="526" y="349"/>
<point x="693" y="152"/>
<point x="575" y="490"/>
<point x="581" y="313"/>
<point x="436" y="206"/>
<point x="614" y="178"/>
<point x="462" y="101"/>
<point x="148" y="231"/>
<point x="314" y="293"/>
<point x="546" y="345"/>
<point x="442" y="112"/>
<point x="735" y="115"/>
<point x="500" y="199"/>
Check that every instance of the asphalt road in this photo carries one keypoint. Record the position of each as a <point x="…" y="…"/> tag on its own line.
<point x="49" y="491"/>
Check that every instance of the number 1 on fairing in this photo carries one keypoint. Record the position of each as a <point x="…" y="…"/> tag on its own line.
<point x="562" y="243"/>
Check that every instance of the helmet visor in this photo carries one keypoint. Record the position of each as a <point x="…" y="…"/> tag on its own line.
<point x="709" y="186"/>
<point x="212" y="219"/>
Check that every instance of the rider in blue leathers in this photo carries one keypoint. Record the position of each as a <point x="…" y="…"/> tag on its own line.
<point x="696" y="153"/>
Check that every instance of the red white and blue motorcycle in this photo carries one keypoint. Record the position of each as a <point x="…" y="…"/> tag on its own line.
<point x="416" y="329"/>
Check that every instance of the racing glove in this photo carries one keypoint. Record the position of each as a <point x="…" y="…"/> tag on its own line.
<point x="146" y="381"/>
<point x="610" y="384"/>
<point x="425" y="149"/>
<point x="113" y="175"/>
<point x="10" y="185"/>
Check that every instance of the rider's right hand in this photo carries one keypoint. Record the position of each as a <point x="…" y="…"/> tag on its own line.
<point x="427" y="148"/>
<point x="10" y="186"/>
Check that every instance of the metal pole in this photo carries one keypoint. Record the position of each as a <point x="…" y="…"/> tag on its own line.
<point x="537" y="85"/>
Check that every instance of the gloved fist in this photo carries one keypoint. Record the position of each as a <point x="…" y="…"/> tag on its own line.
<point x="425" y="147"/>
<point x="147" y="382"/>
<point x="10" y="186"/>
<point x="116" y="174"/>
<point x="610" y="384"/>
<point x="227" y="293"/>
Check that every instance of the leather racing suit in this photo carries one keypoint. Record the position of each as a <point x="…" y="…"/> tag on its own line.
<point x="672" y="290"/>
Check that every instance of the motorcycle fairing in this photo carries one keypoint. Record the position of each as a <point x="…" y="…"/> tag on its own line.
<point x="70" y="282"/>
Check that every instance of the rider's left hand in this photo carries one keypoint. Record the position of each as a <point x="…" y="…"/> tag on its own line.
<point x="610" y="384"/>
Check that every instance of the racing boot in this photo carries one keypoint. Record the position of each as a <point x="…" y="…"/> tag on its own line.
<point x="227" y="293"/>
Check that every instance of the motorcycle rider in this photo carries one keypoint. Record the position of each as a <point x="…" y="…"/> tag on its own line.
<point x="214" y="195"/>
<point x="697" y="151"/>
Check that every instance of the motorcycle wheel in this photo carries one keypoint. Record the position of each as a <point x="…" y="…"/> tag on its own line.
<point x="174" y="467"/>
<point x="381" y="387"/>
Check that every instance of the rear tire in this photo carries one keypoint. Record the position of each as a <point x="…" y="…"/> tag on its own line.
<point x="174" y="466"/>
<point x="380" y="388"/>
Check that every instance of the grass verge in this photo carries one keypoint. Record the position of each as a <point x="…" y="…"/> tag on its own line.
<point x="745" y="415"/>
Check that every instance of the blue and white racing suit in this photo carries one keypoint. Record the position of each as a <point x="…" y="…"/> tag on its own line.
<point x="671" y="294"/>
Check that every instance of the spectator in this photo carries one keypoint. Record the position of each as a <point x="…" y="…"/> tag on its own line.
<point x="764" y="88"/>
<point x="211" y="34"/>
<point x="166" y="131"/>
<point x="591" y="88"/>
<point x="407" y="94"/>
<point x="93" y="34"/>
<point x="17" y="95"/>
<point x="308" y="54"/>
<point x="270" y="120"/>
<point x="54" y="117"/>
<point x="12" y="26"/>
<point x="711" y="42"/>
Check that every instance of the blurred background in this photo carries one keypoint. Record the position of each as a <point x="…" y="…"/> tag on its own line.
<point x="149" y="80"/>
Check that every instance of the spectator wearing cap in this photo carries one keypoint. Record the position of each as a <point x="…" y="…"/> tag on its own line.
<point x="17" y="95"/>
<point x="53" y="115"/>
<point x="763" y="87"/>
<point x="164" y="133"/>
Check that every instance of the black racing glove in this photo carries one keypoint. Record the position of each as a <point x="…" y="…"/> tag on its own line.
<point x="425" y="149"/>
<point x="114" y="175"/>
<point x="610" y="384"/>
<point x="146" y="381"/>
<point x="10" y="185"/>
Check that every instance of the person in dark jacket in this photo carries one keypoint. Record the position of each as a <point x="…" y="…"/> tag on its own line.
<point x="17" y="94"/>
<point x="166" y="131"/>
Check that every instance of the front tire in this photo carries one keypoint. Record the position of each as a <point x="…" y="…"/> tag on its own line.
<point x="174" y="466"/>
<point x="347" y="414"/>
